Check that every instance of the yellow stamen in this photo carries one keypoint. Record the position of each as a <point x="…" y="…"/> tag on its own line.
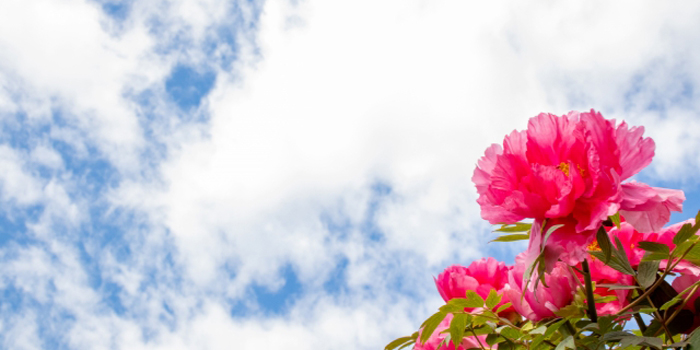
<point x="564" y="167"/>
<point x="594" y="246"/>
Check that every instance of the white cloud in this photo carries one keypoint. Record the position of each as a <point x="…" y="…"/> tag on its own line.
<point x="17" y="184"/>
<point x="337" y="99"/>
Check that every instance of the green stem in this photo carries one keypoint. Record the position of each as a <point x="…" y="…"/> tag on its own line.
<point x="660" y="319"/>
<point x="477" y="339"/>
<point x="640" y="322"/>
<point x="592" y="313"/>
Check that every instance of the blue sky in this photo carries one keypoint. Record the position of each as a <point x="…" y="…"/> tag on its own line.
<point x="196" y="174"/>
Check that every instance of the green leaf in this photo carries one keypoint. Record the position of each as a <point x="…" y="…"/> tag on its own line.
<point x="604" y="244"/>
<point x="606" y="299"/>
<point x="530" y="269"/>
<point x="634" y="340"/>
<point x="539" y="330"/>
<point x="541" y="273"/>
<point x="630" y="341"/>
<point x="647" y="310"/>
<point x="444" y="341"/>
<point x="509" y="332"/>
<point x="451" y="308"/>
<point x="694" y="340"/>
<point x="617" y="336"/>
<point x="622" y="257"/>
<point x="694" y="253"/>
<point x="398" y="342"/>
<point x="459" y="322"/>
<point x="468" y="302"/>
<point x="494" y="338"/>
<point x="553" y="328"/>
<point x="512" y="238"/>
<point x="614" y="262"/>
<point x="652" y="328"/>
<point x="430" y="325"/>
<point x="567" y="343"/>
<point x="517" y="227"/>
<point x="678" y="345"/>
<point x="683" y="234"/>
<point x="615" y="286"/>
<point x="503" y="307"/>
<point x="646" y="273"/>
<point x="655" y="247"/>
<point x="406" y="345"/>
<point x="675" y="300"/>
<point x="652" y="342"/>
<point x="537" y="342"/>
<point x="654" y="256"/>
<point x="616" y="219"/>
<point x="479" y="320"/>
<point x="549" y="233"/>
<point x="474" y="299"/>
<point x="482" y="330"/>
<point x="569" y="311"/>
<point x="493" y="299"/>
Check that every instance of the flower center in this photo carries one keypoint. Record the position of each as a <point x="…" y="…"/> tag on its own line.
<point x="594" y="246"/>
<point x="564" y="167"/>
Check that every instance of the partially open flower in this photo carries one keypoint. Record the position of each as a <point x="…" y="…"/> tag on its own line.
<point x="541" y="302"/>
<point x="481" y="276"/>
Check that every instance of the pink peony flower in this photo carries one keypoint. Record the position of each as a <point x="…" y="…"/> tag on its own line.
<point x="542" y="302"/>
<point x="481" y="276"/>
<point x="470" y="342"/>
<point x="570" y="168"/>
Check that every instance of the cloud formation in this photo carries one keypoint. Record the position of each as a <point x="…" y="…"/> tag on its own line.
<point x="197" y="174"/>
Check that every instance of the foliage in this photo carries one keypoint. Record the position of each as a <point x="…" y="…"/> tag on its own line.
<point x="585" y="281"/>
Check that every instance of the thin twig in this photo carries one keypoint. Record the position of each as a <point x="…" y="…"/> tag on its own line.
<point x="661" y="319"/>
<point x="477" y="340"/>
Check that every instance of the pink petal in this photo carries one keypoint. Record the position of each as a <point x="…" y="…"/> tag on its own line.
<point x="648" y="208"/>
<point x="635" y="152"/>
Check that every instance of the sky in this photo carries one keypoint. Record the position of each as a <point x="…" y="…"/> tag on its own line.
<point x="291" y="174"/>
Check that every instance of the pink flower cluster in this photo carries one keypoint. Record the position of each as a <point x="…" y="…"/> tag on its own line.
<point x="566" y="173"/>
<point x="570" y="170"/>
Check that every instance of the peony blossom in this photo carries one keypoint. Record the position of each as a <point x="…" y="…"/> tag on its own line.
<point x="481" y="276"/>
<point x="541" y="302"/>
<point x="469" y="342"/>
<point x="570" y="168"/>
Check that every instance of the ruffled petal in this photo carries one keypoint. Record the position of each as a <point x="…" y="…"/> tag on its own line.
<point x="635" y="152"/>
<point x="648" y="208"/>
